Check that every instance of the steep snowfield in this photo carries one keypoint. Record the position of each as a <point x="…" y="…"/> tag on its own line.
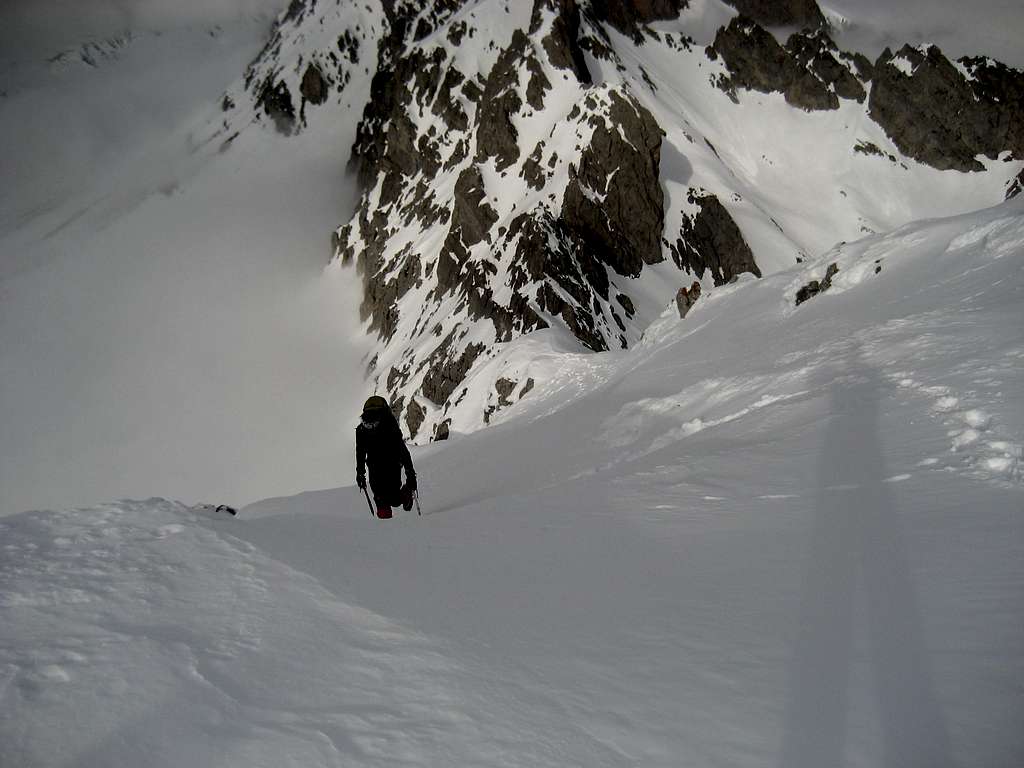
<point x="165" y="323"/>
<point x="776" y="536"/>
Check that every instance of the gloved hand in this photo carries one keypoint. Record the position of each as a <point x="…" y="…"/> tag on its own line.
<point x="361" y="481"/>
<point x="411" y="482"/>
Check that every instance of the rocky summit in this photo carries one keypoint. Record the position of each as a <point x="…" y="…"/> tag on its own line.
<point x="559" y="169"/>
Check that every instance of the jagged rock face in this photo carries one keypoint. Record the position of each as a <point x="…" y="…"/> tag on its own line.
<point x="943" y="115"/>
<point x="628" y="15"/>
<point x="614" y="204"/>
<point x="403" y="71"/>
<point x="814" y="287"/>
<point x="781" y="13"/>
<point x="276" y="102"/>
<point x="810" y="70"/>
<point x="496" y="136"/>
<point x="414" y="416"/>
<point x="1015" y="186"/>
<point x="562" y="41"/>
<point x="283" y="93"/>
<point x="437" y="148"/>
<point x="710" y="242"/>
<point x="939" y="113"/>
<point x="314" y="86"/>
<point x="818" y="54"/>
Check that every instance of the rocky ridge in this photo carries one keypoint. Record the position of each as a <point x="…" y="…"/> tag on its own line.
<point x="555" y="253"/>
<point x="513" y="172"/>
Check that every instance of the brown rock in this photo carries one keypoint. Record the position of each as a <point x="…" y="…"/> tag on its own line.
<point x="414" y="416"/>
<point x="782" y="13"/>
<point x="685" y="299"/>
<point x="939" y="117"/>
<point x="614" y="203"/>
<point x="314" y="87"/>
<point x="628" y="15"/>
<point x="813" y="288"/>
<point x="711" y="241"/>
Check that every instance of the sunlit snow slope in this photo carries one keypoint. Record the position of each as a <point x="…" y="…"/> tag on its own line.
<point x="777" y="536"/>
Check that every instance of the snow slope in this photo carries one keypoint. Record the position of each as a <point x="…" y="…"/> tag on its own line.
<point x="166" y="326"/>
<point x="787" y="535"/>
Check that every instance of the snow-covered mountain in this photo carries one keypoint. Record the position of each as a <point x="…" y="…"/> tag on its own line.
<point x="572" y="165"/>
<point x="783" y="529"/>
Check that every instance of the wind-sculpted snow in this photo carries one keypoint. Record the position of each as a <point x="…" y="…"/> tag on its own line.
<point x="141" y="632"/>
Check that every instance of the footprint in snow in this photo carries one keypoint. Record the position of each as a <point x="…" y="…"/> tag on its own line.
<point x="968" y="428"/>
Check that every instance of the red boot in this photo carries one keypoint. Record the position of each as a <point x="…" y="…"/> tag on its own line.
<point x="383" y="512"/>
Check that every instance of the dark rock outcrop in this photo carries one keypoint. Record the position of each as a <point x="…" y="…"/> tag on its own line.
<point x="446" y="370"/>
<point x="711" y="241"/>
<point x="220" y="509"/>
<point x="818" y="54"/>
<point x="504" y="387"/>
<point x="782" y="13"/>
<point x="809" y="70"/>
<point x="276" y="102"/>
<point x="274" y="84"/>
<point x="1015" y="186"/>
<point x="614" y="201"/>
<point x="547" y="256"/>
<point x="314" y="87"/>
<point x="414" y="416"/>
<point x="441" y="431"/>
<point x="562" y="42"/>
<point x="940" y="117"/>
<point x="628" y="15"/>
<point x="402" y="72"/>
<point x="813" y="288"/>
<point x="472" y="216"/>
<point x="496" y="136"/>
<point x="869" y="148"/>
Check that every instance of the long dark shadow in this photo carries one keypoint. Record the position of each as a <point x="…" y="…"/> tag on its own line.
<point x="857" y="541"/>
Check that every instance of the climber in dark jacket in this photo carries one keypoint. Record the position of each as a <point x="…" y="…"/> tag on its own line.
<point x="381" y="447"/>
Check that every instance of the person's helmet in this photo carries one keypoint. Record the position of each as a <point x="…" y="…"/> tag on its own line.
<point x="375" y="403"/>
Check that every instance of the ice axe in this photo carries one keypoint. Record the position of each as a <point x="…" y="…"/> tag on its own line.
<point x="368" y="502"/>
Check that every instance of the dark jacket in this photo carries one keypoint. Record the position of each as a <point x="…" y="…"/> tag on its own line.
<point x="381" y="447"/>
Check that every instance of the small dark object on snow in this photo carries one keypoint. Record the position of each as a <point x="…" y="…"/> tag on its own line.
<point x="441" y="431"/>
<point x="813" y="288"/>
<point x="218" y="508"/>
